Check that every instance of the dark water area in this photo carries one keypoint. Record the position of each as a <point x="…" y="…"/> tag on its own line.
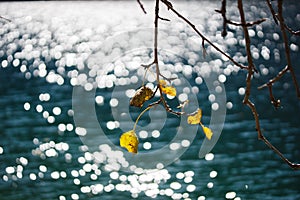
<point x="68" y="70"/>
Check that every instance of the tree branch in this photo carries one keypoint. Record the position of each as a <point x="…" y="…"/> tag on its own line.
<point x="270" y="83"/>
<point x="288" y="67"/>
<point x="247" y="101"/>
<point x="275" y="17"/>
<point x="170" y="7"/>
<point x="248" y="51"/>
<point x="227" y="21"/>
<point x="287" y="48"/>
<point x="276" y="78"/>
<point x="162" y="99"/>
<point x="278" y="18"/>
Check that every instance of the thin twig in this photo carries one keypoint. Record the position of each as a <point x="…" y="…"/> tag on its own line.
<point x="164" y="19"/>
<point x="5" y="19"/>
<point x="266" y="141"/>
<point x="248" y="51"/>
<point x="287" y="48"/>
<point x="248" y="102"/>
<point x="223" y="13"/>
<point x="168" y="79"/>
<point x="204" y="53"/>
<point x="289" y="67"/>
<point x="227" y="21"/>
<point x="275" y="17"/>
<point x="272" y="11"/>
<point x="291" y="31"/>
<point x="270" y="83"/>
<point x="248" y="24"/>
<point x="170" y="7"/>
<point x="146" y="66"/>
<point x="162" y="99"/>
<point x="275" y="102"/>
<point x="142" y="6"/>
<point x="276" y="78"/>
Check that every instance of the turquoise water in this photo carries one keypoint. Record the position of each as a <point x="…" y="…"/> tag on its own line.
<point x="53" y="69"/>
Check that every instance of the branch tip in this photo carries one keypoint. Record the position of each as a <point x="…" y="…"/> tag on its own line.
<point x="142" y="6"/>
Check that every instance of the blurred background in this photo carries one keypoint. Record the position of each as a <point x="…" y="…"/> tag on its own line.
<point x="45" y="53"/>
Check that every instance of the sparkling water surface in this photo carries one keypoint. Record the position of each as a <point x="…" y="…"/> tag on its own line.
<point x="50" y="48"/>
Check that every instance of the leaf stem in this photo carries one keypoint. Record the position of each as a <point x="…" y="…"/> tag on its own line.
<point x="138" y="118"/>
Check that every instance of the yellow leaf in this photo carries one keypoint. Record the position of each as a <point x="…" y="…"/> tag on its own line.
<point x="207" y="131"/>
<point x="195" y="117"/>
<point x="170" y="90"/>
<point x="141" y="95"/>
<point x="130" y="141"/>
<point x="162" y="82"/>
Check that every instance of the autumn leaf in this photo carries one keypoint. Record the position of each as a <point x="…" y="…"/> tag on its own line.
<point x="195" y="117"/>
<point x="129" y="141"/>
<point x="141" y="96"/>
<point x="207" y="131"/>
<point x="170" y="90"/>
<point x="162" y="82"/>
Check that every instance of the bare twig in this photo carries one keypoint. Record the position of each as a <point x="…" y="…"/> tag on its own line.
<point x="276" y="78"/>
<point x="291" y="31"/>
<point x="227" y="21"/>
<point x="142" y="6"/>
<point x="164" y="19"/>
<point x="248" y="51"/>
<point x="248" y="24"/>
<point x="204" y="53"/>
<point x="276" y="17"/>
<point x="270" y="83"/>
<point x="146" y="66"/>
<point x="287" y="48"/>
<point x="275" y="102"/>
<point x="283" y="27"/>
<point x="168" y="79"/>
<point x="272" y="11"/>
<point x="247" y="101"/>
<point x="266" y="141"/>
<point x="170" y="7"/>
<point x="162" y="99"/>
<point x="6" y="19"/>
<point x="223" y="13"/>
<point x="155" y="41"/>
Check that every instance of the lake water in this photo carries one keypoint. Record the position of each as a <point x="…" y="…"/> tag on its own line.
<point x="68" y="70"/>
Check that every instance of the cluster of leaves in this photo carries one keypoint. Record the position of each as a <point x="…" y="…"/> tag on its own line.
<point x="129" y="139"/>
